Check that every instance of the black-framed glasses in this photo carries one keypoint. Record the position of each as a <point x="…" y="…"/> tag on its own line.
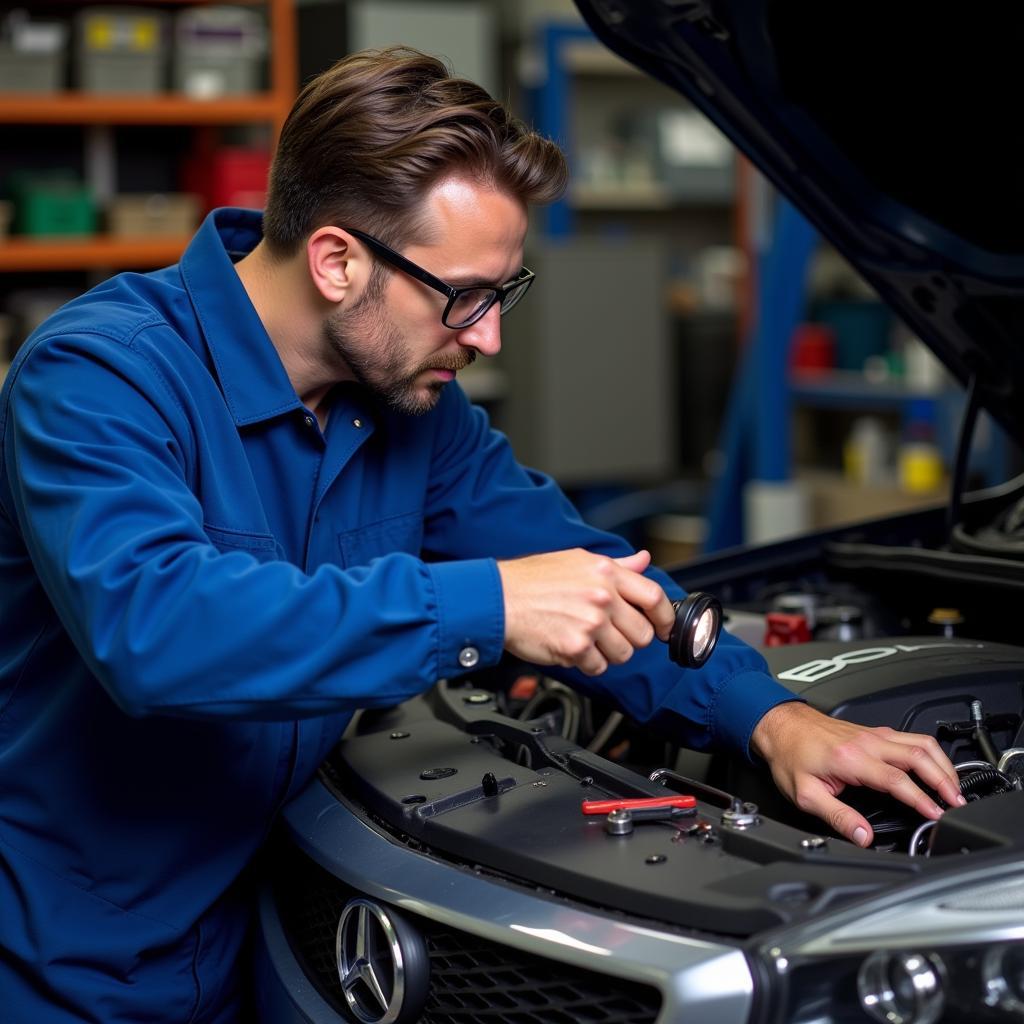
<point x="465" y="305"/>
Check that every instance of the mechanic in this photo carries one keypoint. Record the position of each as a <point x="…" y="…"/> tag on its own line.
<point x="241" y="498"/>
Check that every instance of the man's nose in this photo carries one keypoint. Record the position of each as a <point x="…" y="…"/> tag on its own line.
<point x="485" y="334"/>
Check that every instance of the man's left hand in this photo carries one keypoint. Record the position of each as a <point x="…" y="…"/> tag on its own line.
<point x="813" y="758"/>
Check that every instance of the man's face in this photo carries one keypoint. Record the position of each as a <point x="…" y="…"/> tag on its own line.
<point x="394" y="343"/>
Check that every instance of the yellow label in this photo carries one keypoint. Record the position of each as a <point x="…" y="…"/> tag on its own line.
<point x="99" y="33"/>
<point x="144" y="34"/>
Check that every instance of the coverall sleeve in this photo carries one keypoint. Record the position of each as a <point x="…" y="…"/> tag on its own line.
<point x="482" y="502"/>
<point x="97" y="462"/>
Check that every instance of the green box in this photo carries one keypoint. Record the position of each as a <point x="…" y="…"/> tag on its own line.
<point x="53" y="206"/>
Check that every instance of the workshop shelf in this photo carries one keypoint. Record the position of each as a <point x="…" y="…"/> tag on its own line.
<point x="85" y="108"/>
<point x="94" y="253"/>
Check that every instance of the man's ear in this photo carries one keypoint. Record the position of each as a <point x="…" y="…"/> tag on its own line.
<point x="338" y="267"/>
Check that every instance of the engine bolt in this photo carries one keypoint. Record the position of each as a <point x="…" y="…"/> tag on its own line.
<point x="619" y="823"/>
<point x="814" y="843"/>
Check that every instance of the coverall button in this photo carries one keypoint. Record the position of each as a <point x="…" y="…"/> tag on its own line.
<point x="468" y="657"/>
<point x="308" y="421"/>
<point x="357" y="422"/>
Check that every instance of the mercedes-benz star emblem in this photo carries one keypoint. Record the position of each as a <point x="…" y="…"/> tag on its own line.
<point x="373" y="966"/>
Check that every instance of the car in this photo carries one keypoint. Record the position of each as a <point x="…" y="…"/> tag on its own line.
<point x="440" y="868"/>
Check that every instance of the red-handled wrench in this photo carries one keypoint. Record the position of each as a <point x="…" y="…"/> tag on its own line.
<point x="663" y="802"/>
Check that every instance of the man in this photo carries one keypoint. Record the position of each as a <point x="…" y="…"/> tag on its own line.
<point x="240" y="498"/>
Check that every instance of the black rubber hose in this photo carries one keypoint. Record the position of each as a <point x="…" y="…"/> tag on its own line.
<point x="988" y="749"/>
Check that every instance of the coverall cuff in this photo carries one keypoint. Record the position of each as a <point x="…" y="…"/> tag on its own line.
<point x="471" y="615"/>
<point x="740" y="703"/>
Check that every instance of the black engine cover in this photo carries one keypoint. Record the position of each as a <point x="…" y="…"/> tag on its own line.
<point x="914" y="684"/>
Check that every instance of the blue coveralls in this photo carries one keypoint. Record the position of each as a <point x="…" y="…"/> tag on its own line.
<point x="198" y="586"/>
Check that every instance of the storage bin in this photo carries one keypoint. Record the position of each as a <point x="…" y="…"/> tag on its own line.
<point x="695" y="161"/>
<point x="218" y="51"/>
<point x="121" y="50"/>
<point x="861" y="329"/>
<point x="32" y="54"/>
<point x="231" y="176"/>
<point x="52" y="205"/>
<point x="153" y="215"/>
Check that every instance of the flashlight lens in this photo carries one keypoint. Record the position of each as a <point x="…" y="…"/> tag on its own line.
<point x="703" y="632"/>
<point x="695" y="633"/>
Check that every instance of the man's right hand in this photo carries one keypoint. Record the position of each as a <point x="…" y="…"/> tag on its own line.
<point x="581" y="610"/>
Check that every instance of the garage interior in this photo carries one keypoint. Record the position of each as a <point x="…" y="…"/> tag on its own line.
<point x="628" y="404"/>
<point x="701" y="372"/>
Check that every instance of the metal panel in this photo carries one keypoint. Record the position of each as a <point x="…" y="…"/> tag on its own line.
<point x="463" y="33"/>
<point x="589" y="365"/>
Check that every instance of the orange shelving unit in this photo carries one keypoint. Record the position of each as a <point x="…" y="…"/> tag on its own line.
<point x="100" y="253"/>
<point x="100" y="112"/>
<point x="77" y="108"/>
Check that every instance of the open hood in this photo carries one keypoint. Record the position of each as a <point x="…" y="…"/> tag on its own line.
<point x="891" y="128"/>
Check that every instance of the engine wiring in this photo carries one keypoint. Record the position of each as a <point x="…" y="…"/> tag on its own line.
<point x="566" y="701"/>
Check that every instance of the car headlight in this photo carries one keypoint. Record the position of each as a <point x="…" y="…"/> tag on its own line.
<point x="951" y="954"/>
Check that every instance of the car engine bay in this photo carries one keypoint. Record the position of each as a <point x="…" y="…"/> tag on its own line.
<point x="491" y="772"/>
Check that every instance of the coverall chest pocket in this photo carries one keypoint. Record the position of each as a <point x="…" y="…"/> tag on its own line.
<point x="362" y="544"/>
<point x="262" y="546"/>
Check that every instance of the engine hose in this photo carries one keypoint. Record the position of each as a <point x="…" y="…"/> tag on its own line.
<point x="988" y="749"/>
<point x="970" y="784"/>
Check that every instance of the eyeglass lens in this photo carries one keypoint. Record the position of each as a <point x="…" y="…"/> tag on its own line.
<point x="471" y="305"/>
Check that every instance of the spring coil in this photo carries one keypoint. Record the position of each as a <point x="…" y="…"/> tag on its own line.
<point x="988" y="778"/>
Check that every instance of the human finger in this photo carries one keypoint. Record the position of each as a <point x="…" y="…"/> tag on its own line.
<point x="650" y="597"/>
<point x="584" y="654"/>
<point x="947" y="783"/>
<point x="843" y="819"/>
<point x="631" y="622"/>
<point x="613" y="645"/>
<point x="636" y="562"/>
<point x="886" y="769"/>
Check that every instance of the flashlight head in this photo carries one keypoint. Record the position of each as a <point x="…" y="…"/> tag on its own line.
<point x="695" y="633"/>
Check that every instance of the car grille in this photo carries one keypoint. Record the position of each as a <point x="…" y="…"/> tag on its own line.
<point x="472" y="980"/>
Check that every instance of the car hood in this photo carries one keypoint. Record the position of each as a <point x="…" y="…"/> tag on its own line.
<point x="890" y="128"/>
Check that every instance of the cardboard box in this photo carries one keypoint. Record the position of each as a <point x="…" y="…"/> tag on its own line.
<point x="156" y="214"/>
<point x="835" y="501"/>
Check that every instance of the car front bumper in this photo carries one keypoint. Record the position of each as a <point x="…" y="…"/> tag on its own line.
<point x="549" y="944"/>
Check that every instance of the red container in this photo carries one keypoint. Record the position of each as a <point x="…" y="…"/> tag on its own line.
<point x="813" y="349"/>
<point x="229" y="176"/>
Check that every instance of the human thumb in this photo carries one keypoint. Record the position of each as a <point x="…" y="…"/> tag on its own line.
<point x="637" y="562"/>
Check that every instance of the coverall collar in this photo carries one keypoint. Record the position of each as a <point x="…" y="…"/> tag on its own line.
<point x="254" y="381"/>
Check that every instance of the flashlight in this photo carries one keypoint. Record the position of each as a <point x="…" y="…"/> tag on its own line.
<point x="695" y="633"/>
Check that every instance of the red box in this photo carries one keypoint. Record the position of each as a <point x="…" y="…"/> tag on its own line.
<point x="229" y="176"/>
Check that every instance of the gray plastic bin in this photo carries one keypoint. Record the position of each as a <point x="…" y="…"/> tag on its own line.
<point x="31" y="54"/>
<point x="121" y="49"/>
<point x="218" y="51"/>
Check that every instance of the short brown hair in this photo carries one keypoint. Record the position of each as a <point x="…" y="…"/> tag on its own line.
<point x="367" y="138"/>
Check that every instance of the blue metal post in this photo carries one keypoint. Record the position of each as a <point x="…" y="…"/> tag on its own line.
<point x="553" y="110"/>
<point x="755" y="437"/>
